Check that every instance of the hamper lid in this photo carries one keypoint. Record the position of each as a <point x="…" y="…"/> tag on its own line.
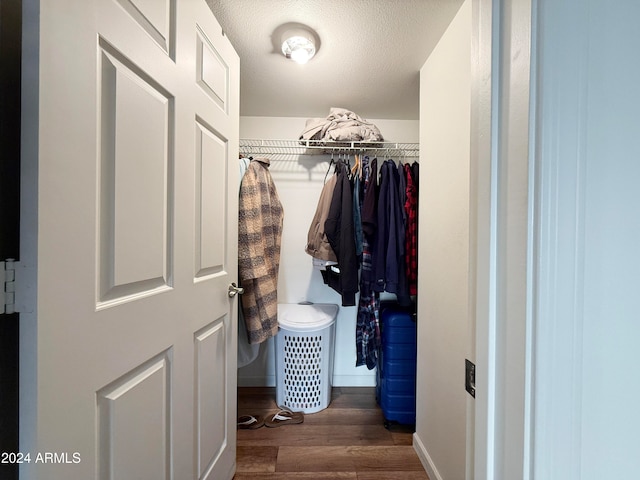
<point x="302" y="317"/>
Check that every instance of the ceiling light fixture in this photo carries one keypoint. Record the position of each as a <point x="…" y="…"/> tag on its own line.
<point x="299" y="45"/>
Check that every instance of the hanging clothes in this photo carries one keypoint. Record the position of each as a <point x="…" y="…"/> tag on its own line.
<point x="368" y="319"/>
<point x="415" y="171"/>
<point x="247" y="352"/>
<point x="370" y="225"/>
<point x="340" y="233"/>
<point x="402" y="194"/>
<point x="411" y="234"/>
<point x="368" y="330"/>
<point x="357" y="212"/>
<point x="369" y="210"/>
<point x="402" y="291"/>
<point x="388" y="261"/>
<point x="259" y="239"/>
<point x="318" y="245"/>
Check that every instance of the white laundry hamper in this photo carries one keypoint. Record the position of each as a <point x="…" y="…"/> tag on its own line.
<point x="304" y="355"/>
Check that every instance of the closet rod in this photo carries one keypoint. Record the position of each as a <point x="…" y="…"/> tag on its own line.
<point x="320" y="147"/>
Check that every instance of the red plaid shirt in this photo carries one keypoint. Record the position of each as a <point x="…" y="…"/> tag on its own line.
<point x="411" y="231"/>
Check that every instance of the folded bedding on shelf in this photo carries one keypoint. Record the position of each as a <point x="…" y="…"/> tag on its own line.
<point x="341" y="125"/>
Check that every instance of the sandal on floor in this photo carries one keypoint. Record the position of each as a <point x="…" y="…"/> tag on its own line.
<point x="284" y="417"/>
<point x="250" y="422"/>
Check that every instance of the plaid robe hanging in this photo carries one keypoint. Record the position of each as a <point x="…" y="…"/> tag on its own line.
<point x="259" y="239"/>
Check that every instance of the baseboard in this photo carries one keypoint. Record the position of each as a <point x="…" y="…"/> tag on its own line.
<point x="354" y="381"/>
<point x="338" y="381"/>
<point x="258" y="381"/>
<point x="424" y="457"/>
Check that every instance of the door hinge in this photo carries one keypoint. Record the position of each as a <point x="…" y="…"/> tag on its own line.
<point x="8" y="276"/>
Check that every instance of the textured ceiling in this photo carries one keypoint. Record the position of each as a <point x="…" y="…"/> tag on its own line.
<point x="368" y="61"/>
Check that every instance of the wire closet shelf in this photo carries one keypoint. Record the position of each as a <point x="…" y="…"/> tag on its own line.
<point x="284" y="148"/>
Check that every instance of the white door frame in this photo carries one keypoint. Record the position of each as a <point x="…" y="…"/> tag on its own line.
<point x="502" y="250"/>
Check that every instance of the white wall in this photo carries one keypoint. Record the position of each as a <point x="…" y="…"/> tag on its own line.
<point x="443" y="303"/>
<point x="299" y="181"/>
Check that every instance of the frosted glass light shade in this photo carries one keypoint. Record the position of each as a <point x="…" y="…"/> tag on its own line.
<point x="299" y="45"/>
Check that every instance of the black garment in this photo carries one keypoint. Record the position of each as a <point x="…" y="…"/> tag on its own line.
<point x="369" y="211"/>
<point x="415" y="172"/>
<point x="340" y="233"/>
<point x="382" y="232"/>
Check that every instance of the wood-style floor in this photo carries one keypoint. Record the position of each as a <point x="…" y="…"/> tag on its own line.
<point x="347" y="440"/>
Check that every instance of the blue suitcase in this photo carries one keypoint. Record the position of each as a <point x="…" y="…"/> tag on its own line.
<point x="396" y="374"/>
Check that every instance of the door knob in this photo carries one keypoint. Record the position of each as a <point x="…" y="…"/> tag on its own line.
<point x="235" y="290"/>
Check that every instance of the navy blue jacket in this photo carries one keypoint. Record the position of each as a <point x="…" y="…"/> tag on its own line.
<point x="389" y="254"/>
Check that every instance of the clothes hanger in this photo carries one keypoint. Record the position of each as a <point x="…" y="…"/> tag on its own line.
<point x="331" y="162"/>
<point x="242" y="155"/>
<point x="356" y="169"/>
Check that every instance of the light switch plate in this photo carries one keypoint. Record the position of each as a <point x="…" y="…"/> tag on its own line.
<point x="470" y="378"/>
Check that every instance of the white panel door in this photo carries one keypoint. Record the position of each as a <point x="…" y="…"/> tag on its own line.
<point x="129" y="241"/>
